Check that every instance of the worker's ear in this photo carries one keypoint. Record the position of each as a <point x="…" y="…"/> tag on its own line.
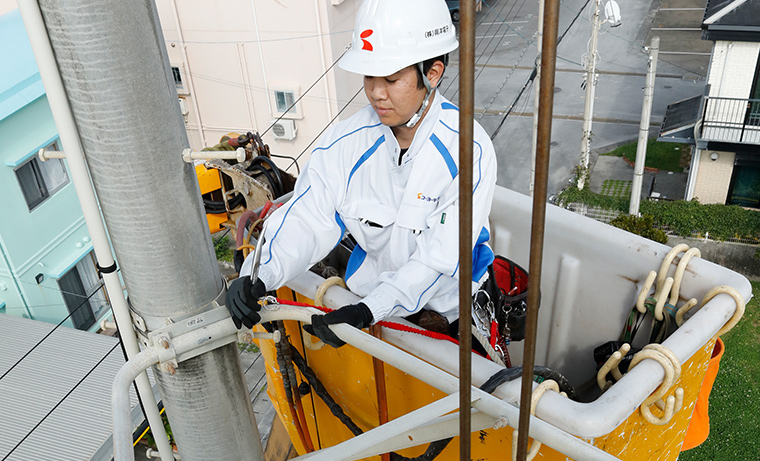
<point x="435" y="73"/>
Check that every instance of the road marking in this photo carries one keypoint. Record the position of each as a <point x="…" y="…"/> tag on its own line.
<point x="677" y="28"/>
<point x="495" y="36"/>
<point x="502" y="22"/>
<point x="686" y="52"/>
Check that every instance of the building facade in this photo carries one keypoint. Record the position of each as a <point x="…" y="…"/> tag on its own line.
<point x="47" y="270"/>
<point x="240" y="65"/>
<point x="724" y="123"/>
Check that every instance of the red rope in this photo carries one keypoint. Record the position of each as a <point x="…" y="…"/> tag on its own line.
<point x="391" y="325"/>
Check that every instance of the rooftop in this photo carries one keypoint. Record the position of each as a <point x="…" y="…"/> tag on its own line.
<point x="732" y="20"/>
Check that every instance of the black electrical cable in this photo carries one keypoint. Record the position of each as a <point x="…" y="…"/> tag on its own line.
<point x="85" y="301"/>
<point x="434" y="448"/>
<point x="298" y="168"/>
<point x="60" y="401"/>
<point x="214" y="207"/>
<point x="276" y="188"/>
<point x="295" y="161"/>
<point x="534" y="72"/>
<point x="275" y="170"/>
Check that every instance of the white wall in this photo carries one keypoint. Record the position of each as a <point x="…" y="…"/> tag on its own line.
<point x="237" y="52"/>
<point x="732" y="69"/>
<point x="7" y="5"/>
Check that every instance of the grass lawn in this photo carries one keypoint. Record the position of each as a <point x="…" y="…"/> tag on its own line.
<point x="735" y="398"/>
<point x="665" y="156"/>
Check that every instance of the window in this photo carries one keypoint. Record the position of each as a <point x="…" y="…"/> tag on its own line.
<point x="284" y="100"/>
<point x="177" y="77"/>
<point x="39" y="180"/>
<point x="82" y="290"/>
<point x="745" y="186"/>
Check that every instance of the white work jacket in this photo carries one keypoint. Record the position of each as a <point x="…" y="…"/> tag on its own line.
<point x="403" y="217"/>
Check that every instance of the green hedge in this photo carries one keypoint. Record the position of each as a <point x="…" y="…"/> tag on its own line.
<point x="682" y="217"/>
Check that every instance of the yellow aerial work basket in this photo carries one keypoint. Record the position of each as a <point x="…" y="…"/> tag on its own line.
<point x="593" y="274"/>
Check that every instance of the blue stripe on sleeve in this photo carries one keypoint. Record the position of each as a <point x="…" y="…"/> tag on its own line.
<point x="271" y="249"/>
<point x="347" y="134"/>
<point x="448" y="105"/>
<point x="421" y="294"/>
<point x="364" y="158"/>
<point x="480" y="158"/>
<point x="342" y="226"/>
<point x="445" y="154"/>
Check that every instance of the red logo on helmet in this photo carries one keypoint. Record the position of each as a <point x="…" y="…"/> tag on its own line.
<point x="365" y="44"/>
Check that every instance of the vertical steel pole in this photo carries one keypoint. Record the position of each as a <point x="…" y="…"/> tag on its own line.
<point x="546" y="98"/>
<point x="115" y="69"/>
<point x="466" y="111"/>
<point x="646" y="113"/>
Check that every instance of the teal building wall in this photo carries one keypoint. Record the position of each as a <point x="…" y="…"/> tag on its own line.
<point x="41" y="245"/>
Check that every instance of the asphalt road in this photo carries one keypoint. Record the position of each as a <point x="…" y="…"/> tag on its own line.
<point x="506" y="52"/>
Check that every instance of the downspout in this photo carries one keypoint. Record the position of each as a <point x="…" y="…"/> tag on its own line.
<point x="190" y="81"/>
<point x="328" y="104"/>
<point x="261" y="56"/>
<point x="64" y="120"/>
<point x="15" y="281"/>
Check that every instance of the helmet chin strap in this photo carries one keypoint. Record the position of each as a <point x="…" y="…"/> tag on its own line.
<point x="428" y="94"/>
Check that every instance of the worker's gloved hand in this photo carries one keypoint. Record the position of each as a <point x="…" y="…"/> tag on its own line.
<point x="356" y="315"/>
<point x="243" y="301"/>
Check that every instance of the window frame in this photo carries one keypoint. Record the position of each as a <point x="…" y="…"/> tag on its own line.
<point x="36" y="166"/>
<point x="295" y="112"/>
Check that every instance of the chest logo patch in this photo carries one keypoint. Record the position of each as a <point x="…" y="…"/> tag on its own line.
<point x="421" y="196"/>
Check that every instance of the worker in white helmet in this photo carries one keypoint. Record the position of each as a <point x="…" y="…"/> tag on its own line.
<point x="389" y="177"/>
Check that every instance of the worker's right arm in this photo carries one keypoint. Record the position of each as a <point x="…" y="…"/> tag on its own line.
<point x="302" y="231"/>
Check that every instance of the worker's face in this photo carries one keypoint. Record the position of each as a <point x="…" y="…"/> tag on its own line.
<point x="395" y="98"/>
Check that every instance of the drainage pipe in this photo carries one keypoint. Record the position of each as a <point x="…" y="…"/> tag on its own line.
<point x="64" y="120"/>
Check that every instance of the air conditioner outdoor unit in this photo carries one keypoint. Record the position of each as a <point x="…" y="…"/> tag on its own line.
<point x="284" y="129"/>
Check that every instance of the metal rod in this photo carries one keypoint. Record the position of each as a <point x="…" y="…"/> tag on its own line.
<point x="466" y="111"/>
<point x="382" y="394"/>
<point x="546" y="102"/>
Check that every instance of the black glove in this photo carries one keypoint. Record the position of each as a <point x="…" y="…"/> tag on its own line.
<point x="356" y="315"/>
<point x="243" y="301"/>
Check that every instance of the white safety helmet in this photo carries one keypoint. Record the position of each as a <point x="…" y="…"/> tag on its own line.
<point x="390" y="35"/>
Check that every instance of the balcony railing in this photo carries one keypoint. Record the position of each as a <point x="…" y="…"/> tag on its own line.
<point x="731" y="120"/>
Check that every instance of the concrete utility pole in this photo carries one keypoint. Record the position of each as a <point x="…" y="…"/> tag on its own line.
<point x="115" y="70"/>
<point x="588" y="111"/>
<point x="646" y="112"/>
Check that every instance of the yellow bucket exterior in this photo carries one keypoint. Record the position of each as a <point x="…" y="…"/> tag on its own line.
<point x="352" y="386"/>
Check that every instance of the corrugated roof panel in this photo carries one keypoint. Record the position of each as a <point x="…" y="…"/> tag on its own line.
<point x="79" y="426"/>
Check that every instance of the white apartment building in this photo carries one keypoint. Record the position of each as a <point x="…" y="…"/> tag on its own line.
<point x="724" y="123"/>
<point x="240" y="64"/>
